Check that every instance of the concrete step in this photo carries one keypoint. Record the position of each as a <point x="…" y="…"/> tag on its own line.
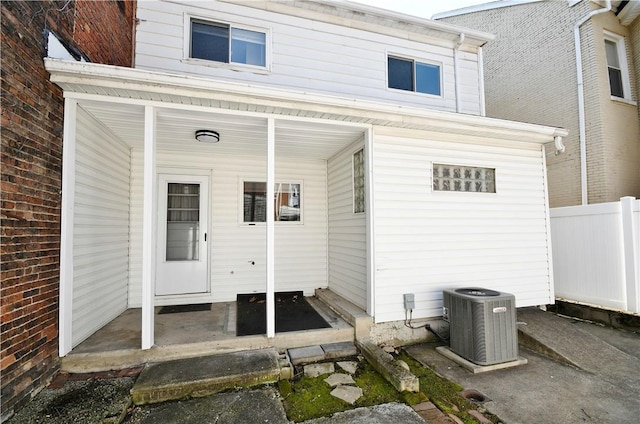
<point x="355" y="316"/>
<point x="563" y="340"/>
<point x="206" y="375"/>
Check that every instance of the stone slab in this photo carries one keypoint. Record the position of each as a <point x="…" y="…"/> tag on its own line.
<point x="339" y="350"/>
<point x="316" y="370"/>
<point x="205" y="375"/>
<point x="348" y="394"/>
<point x="339" y="380"/>
<point x="379" y="414"/>
<point x="306" y="355"/>
<point x="475" y="368"/>
<point x="245" y="406"/>
<point x="349" y="366"/>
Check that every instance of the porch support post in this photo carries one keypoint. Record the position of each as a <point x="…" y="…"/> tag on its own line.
<point x="148" y="228"/>
<point x="65" y="330"/>
<point x="369" y="227"/>
<point x="271" y="180"/>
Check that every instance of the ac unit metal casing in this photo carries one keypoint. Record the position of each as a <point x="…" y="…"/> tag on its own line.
<point x="482" y="324"/>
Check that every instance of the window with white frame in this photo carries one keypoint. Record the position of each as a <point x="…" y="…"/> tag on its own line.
<point x="617" y="66"/>
<point x="287" y="202"/>
<point x="463" y="178"/>
<point x="220" y="42"/>
<point x="411" y="75"/>
<point x="358" y="181"/>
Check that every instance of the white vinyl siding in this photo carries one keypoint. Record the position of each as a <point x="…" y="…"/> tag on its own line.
<point x="347" y="232"/>
<point x="306" y="55"/>
<point x="101" y="228"/>
<point x="237" y="251"/>
<point x="428" y="241"/>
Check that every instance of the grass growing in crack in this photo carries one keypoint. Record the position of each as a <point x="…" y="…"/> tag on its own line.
<point x="307" y="398"/>
<point x="442" y="392"/>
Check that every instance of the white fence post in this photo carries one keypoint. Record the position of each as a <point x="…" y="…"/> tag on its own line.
<point x="630" y="251"/>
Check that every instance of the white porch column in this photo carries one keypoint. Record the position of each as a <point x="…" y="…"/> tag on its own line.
<point x="271" y="181"/>
<point x="65" y="337"/>
<point x="149" y="227"/>
<point x="631" y="252"/>
<point x="369" y="227"/>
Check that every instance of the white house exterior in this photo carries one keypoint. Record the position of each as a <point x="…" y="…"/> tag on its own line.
<point x="323" y="176"/>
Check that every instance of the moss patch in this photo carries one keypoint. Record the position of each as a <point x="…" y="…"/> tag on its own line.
<point x="307" y="398"/>
<point x="442" y="392"/>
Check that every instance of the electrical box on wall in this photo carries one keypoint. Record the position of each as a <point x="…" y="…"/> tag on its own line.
<point x="409" y="301"/>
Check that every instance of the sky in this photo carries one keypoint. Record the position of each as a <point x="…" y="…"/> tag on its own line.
<point x="421" y="8"/>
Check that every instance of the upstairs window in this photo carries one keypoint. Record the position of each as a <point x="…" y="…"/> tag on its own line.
<point x="410" y="75"/>
<point x="617" y="66"/>
<point x="224" y="43"/>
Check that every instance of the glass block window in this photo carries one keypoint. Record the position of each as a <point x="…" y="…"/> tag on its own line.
<point x="463" y="178"/>
<point x="287" y="201"/>
<point x="358" y="181"/>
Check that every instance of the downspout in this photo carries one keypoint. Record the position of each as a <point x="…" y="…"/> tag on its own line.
<point x="581" y="112"/>
<point x="456" y="72"/>
<point x="483" y="110"/>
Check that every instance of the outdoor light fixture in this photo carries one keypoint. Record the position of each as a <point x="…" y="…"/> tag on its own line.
<point x="207" y="136"/>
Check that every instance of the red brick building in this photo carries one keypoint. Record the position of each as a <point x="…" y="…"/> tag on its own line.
<point x="32" y="121"/>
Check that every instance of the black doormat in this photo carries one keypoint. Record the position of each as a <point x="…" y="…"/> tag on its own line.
<point x="293" y="313"/>
<point x="173" y="309"/>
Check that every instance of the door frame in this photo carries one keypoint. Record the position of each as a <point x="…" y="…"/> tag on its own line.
<point x="183" y="175"/>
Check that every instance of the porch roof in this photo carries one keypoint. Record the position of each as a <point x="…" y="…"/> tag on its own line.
<point x="322" y="117"/>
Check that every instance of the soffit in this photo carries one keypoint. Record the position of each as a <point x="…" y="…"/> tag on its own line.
<point x="240" y="135"/>
<point x="629" y="13"/>
<point x="352" y="116"/>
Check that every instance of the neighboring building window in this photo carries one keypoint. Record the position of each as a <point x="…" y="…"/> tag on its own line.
<point x="358" y="181"/>
<point x="463" y="178"/>
<point x="407" y="74"/>
<point x="224" y="43"/>
<point x="617" y="66"/>
<point x="287" y="201"/>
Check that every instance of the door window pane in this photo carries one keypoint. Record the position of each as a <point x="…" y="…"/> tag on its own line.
<point x="183" y="222"/>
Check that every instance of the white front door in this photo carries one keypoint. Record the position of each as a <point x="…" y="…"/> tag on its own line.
<point x="182" y="260"/>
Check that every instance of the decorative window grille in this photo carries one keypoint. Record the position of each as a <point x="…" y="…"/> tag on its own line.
<point x="358" y="181"/>
<point x="463" y="178"/>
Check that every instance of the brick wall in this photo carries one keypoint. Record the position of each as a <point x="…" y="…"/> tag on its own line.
<point x="32" y="122"/>
<point x="530" y="76"/>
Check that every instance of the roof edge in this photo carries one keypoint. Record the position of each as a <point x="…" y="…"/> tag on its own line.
<point x="482" y="8"/>
<point x="91" y="74"/>
<point x="361" y="11"/>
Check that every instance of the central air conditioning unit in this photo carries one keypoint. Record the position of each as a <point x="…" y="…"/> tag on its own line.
<point x="482" y="324"/>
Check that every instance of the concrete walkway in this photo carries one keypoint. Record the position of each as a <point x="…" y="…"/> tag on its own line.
<point x="602" y="384"/>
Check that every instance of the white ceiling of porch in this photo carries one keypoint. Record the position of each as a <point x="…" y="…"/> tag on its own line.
<point x="240" y="134"/>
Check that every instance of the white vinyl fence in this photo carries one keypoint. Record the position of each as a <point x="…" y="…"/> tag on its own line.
<point x="596" y="254"/>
